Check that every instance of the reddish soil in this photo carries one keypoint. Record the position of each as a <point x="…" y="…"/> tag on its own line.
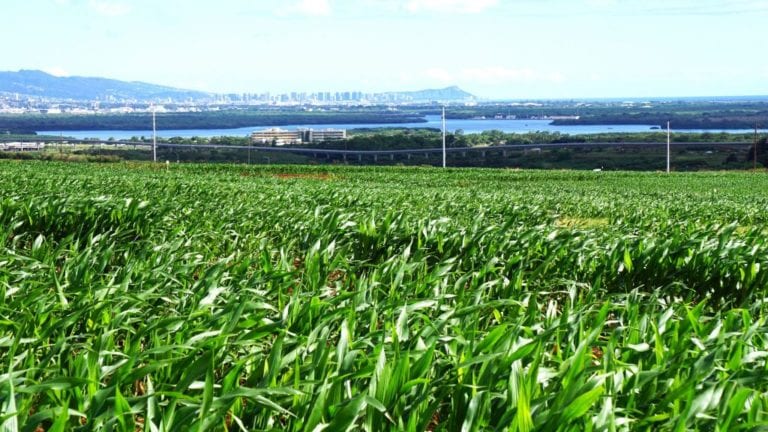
<point x="314" y="176"/>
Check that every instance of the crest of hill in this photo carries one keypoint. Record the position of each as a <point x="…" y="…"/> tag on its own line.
<point x="452" y="93"/>
<point x="41" y="84"/>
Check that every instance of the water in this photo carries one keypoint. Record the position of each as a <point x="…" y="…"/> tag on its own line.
<point x="468" y="126"/>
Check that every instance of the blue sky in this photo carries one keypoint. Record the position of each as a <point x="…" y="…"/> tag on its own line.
<point x="493" y="48"/>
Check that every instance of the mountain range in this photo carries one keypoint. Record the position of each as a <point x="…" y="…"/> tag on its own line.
<point x="40" y="84"/>
<point x="35" y="83"/>
<point x="452" y="93"/>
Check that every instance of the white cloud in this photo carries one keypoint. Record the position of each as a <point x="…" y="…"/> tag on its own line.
<point x="498" y="74"/>
<point x="440" y="75"/>
<point x="449" y="6"/>
<point x="501" y="74"/>
<point x="556" y="77"/>
<point x="56" y="71"/>
<point x="310" y="7"/>
<point x="109" y="8"/>
<point x="601" y="3"/>
<point x="492" y="75"/>
<point x="391" y="6"/>
<point x="682" y="7"/>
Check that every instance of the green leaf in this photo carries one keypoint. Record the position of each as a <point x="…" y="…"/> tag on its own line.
<point x="345" y="419"/>
<point x="10" y="424"/>
<point x="123" y="412"/>
<point x="207" y="392"/>
<point x="627" y="260"/>
<point x="582" y="404"/>
<point x="468" y="425"/>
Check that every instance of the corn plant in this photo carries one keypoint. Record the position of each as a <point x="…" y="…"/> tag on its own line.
<point x="215" y="297"/>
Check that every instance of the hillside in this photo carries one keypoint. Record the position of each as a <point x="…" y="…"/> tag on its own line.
<point x="41" y="84"/>
<point x="452" y="93"/>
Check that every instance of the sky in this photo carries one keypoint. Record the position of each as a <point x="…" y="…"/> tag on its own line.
<point x="495" y="49"/>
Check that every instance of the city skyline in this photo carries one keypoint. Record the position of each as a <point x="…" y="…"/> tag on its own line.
<point x="494" y="49"/>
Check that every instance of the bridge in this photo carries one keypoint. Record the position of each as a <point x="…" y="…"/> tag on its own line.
<point x="498" y="150"/>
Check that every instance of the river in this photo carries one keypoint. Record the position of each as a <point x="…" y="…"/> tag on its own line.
<point x="468" y="126"/>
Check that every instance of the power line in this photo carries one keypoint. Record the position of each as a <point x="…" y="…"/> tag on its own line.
<point x="754" y="161"/>
<point x="668" y="147"/>
<point x="154" y="135"/>
<point x="444" y="163"/>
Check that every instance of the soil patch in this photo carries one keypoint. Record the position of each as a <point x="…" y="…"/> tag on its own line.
<point x="312" y="176"/>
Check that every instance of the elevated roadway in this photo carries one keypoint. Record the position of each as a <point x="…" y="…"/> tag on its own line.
<point x="28" y="144"/>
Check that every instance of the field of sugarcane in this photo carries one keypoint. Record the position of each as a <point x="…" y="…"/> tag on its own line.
<point x="213" y="297"/>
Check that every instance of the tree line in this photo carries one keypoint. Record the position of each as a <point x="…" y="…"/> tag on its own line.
<point x="30" y="123"/>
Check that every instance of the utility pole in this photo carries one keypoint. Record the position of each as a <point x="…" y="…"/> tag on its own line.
<point x="444" y="164"/>
<point x="668" y="147"/>
<point x="754" y="160"/>
<point x="154" y="135"/>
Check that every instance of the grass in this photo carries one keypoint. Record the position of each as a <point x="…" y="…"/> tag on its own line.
<point x="213" y="297"/>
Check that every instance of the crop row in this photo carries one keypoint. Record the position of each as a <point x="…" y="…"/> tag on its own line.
<point x="294" y="298"/>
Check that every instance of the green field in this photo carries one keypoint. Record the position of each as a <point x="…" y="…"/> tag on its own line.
<point x="233" y="297"/>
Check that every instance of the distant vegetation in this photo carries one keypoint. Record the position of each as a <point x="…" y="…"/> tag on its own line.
<point x="716" y="116"/>
<point x="392" y="139"/>
<point x="640" y="158"/>
<point x="683" y="114"/>
<point x="204" y="120"/>
<point x="736" y="120"/>
<point x="418" y="138"/>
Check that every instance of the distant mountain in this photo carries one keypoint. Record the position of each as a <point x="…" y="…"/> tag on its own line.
<point x="452" y="93"/>
<point x="41" y="84"/>
<point x="35" y="83"/>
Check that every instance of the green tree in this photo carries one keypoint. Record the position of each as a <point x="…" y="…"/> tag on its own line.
<point x="762" y="152"/>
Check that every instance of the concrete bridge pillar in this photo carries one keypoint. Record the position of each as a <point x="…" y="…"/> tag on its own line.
<point x="392" y="157"/>
<point x="359" y="157"/>
<point x="375" y="158"/>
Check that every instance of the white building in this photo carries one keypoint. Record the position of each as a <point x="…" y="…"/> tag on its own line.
<point x="279" y="136"/>
<point x="316" y="136"/>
